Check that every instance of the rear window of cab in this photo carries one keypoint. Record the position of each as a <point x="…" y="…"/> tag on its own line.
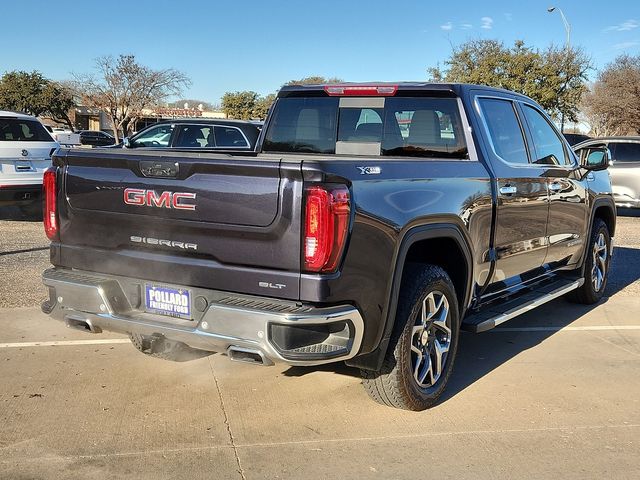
<point x="387" y="126"/>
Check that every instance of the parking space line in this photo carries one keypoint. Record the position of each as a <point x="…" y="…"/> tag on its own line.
<point x="586" y="328"/>
<point x="570" y="429"/>
<point x="63" y="343"/>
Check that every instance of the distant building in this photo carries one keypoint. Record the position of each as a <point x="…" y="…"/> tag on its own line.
<point x="87" y="118"/>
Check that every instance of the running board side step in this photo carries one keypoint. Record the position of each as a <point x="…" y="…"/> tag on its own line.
<point x="497" y="314"/>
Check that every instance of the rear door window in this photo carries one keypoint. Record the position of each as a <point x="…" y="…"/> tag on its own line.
<point x="504" y="130"/>
<point x="230" y="137"/>
<point x="194" y="136"/>
<point x="625" y="152"/>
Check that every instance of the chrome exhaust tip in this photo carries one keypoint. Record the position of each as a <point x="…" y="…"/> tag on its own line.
<point x="82" y="324"/>
<point x="248" y="355"/>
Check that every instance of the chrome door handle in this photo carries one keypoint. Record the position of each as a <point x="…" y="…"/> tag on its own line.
<point x="555" y="186"/>
<point x="508" y="190"/>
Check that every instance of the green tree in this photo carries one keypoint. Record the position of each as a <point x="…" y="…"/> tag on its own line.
<point x="612" y="105"/>
<point x="32" y="93"/>
<point x="555" y="77"/>
<point x="123" y="88"/>
<point x="240" y="105"/>
<point x="261" y="108"/>
<point x="314" y="80"/>
<point x="248" y="105"/>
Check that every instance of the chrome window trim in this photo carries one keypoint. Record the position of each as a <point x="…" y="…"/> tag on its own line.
<point x="468" y="138"/>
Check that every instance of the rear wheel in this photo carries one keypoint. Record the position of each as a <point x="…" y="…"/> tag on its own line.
<point x="159" y="347"/>
<point x="596" y="269"/>
<point x="423" y="346"/>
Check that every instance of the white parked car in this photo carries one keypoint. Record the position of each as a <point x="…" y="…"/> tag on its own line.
<point x="25" y="153"/>
<point x="64" y="136"/>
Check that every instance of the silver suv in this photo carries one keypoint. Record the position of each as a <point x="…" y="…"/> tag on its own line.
<point x="25" y="153"/>
<point x="624" y="168"/>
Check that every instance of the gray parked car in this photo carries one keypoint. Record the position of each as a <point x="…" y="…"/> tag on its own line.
<point x="624" y="168"/>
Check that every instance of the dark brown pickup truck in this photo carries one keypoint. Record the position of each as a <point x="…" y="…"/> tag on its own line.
<point x="371" y="225"/>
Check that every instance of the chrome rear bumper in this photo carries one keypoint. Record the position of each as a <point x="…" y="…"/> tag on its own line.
<point x="276" y="330"/>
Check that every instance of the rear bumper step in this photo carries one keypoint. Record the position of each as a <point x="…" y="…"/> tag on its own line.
<point x="251" y="329"/>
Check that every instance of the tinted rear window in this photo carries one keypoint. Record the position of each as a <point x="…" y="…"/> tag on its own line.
<point x="18" y="130"/>
<point x="305" y="125"/>
<point x="625" y="152"/>
<point x="398" y="126"/>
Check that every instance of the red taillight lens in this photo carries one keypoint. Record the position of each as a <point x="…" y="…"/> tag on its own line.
<point x="325" y="228"/>
<point x="361" y="90"/>
<point x="50" y="204"/>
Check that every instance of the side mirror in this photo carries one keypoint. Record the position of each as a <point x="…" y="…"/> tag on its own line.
<point x="596" y="158"/>
<point x="126" y="142"/>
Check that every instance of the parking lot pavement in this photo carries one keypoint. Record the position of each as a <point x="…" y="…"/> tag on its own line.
<point x="554" y="394"/>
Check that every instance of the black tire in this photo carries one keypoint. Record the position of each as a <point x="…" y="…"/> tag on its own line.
<point x="589" y="292"/>
<point x="160" y="347"/>
<point x="396" y="384"/>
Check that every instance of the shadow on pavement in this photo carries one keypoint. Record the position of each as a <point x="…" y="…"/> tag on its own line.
<point x="628" y="212"/>
<point x="479" y="354"/>
<point x="19" y="215"/>
<point x="625" y="269"/>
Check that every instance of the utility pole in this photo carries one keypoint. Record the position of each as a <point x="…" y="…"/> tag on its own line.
<point x="567" y="27"/>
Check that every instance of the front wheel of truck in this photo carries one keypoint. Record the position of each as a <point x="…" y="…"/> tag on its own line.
<point x="423" y="346"/>
<point x="596" y="269"/>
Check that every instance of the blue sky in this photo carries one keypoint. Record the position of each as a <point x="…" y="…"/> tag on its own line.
<point x="258" y="45"/>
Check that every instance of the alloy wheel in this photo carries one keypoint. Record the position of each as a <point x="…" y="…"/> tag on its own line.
<point x="431" y="339"/>
<point x="599" y="268"/>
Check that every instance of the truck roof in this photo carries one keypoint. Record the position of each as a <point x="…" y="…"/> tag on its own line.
<point x="441" y="87"/>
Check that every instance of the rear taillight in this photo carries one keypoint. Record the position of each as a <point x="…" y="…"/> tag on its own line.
<point x="50" y="213"/>
<point x="325" y="227"/>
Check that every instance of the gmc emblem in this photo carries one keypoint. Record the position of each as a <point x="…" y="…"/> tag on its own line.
<point x="150" y="198"/>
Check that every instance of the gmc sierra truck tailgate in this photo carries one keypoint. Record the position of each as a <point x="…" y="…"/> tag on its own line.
<point x="200" y="219"/>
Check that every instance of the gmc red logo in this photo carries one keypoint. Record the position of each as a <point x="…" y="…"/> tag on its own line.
<point x="151" y="198"/>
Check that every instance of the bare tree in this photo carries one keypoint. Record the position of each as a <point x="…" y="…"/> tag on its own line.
<point x="612" y="105"/>
<point x="123" y="88"/>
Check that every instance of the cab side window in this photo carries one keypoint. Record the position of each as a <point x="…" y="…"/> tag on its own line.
<point x="158" y="136"/>
<point x="549" y="148"/>
<point x="625" y="152"/>
<point x="504" y="130"/>
<point x="195" y="136"/>
<point x="229" y="137"/>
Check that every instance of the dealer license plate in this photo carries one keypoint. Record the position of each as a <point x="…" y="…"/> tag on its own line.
<point x="173" y="302"/>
